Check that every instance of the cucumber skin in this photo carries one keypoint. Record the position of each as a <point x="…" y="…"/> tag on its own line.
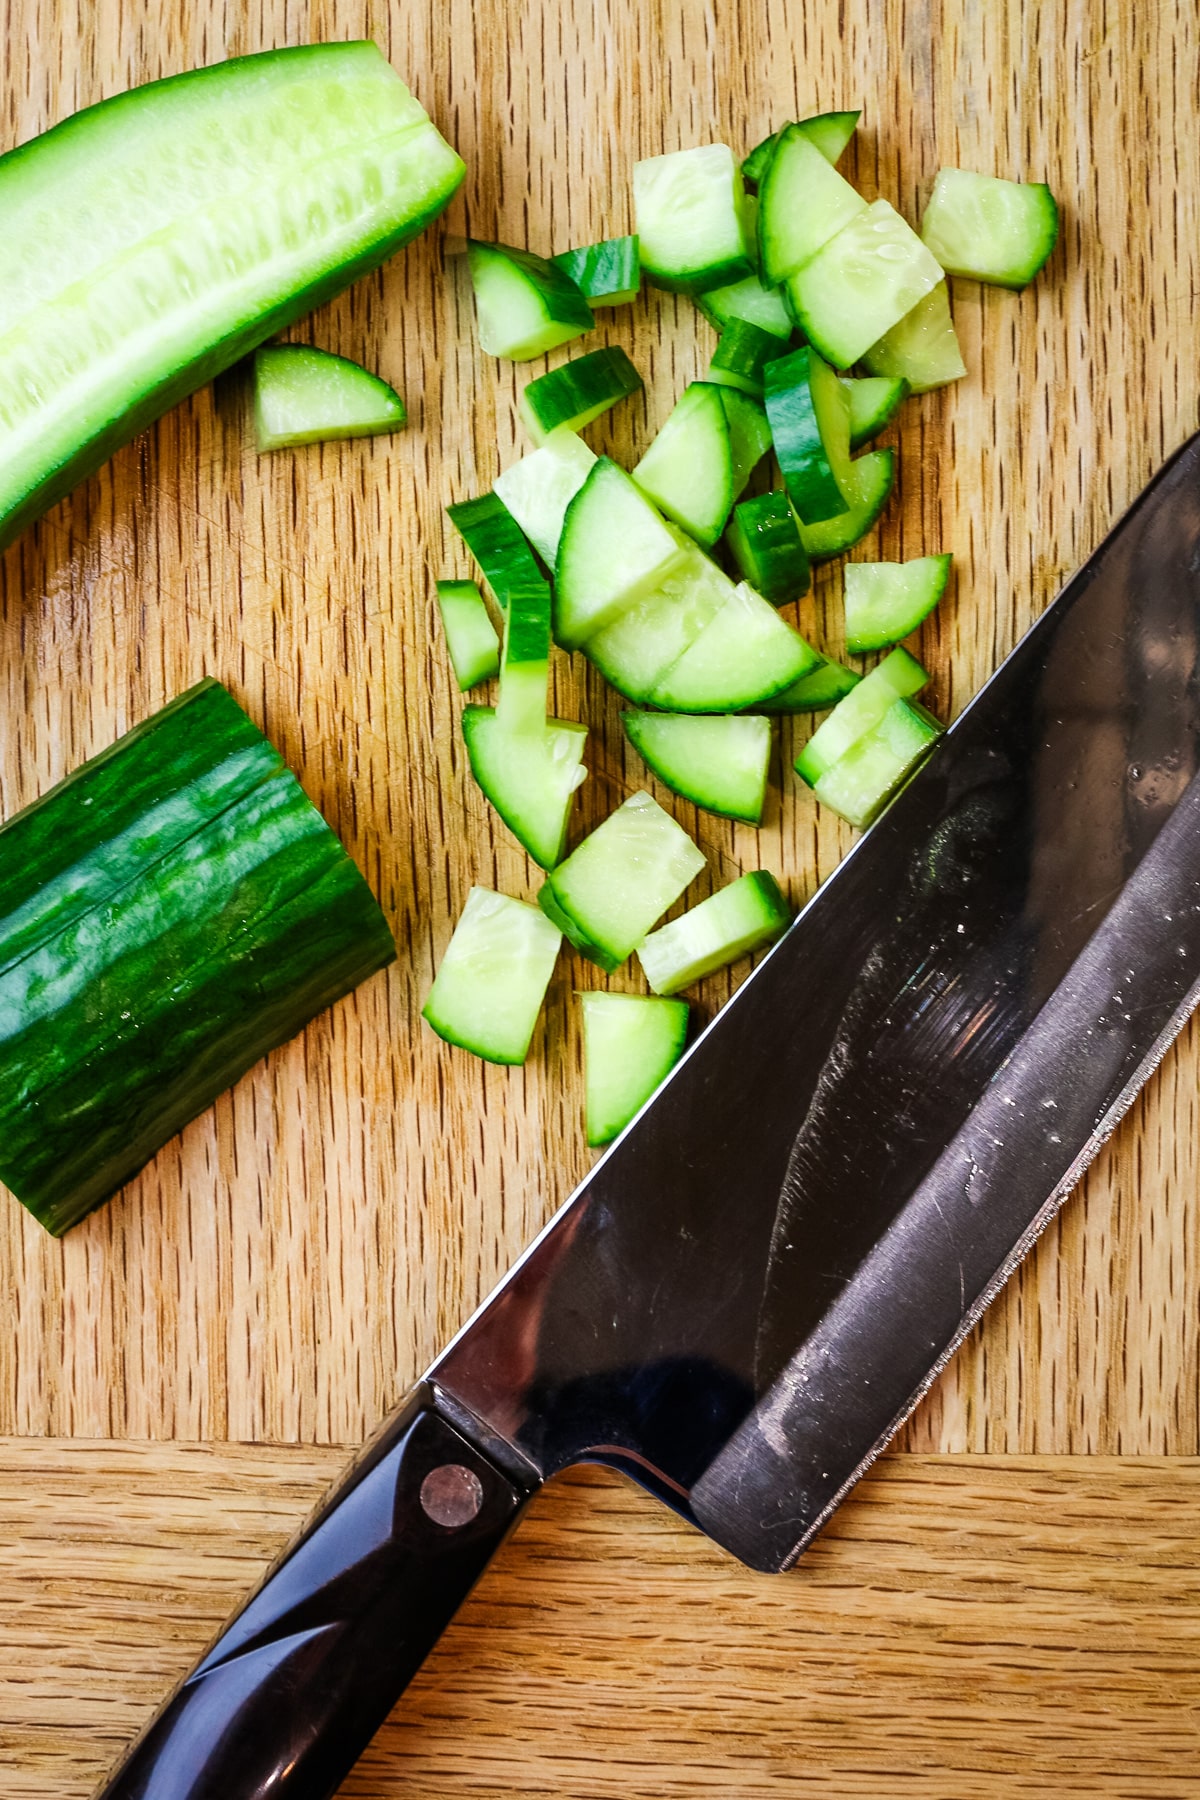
<point x="215" y="357"/>
<point x="135" y="1016"/>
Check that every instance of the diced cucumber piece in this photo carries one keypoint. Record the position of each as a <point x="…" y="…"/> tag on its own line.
<point x="688" y="209"/>
<point x="741" y="356"/>
<point x="802" y="204"/>
<point x="750" y="300"/>
<point x="530" y="777"/>
<point x="923" y="348"/>
<point x="489" y="989"/>
<point x="885" y="601"/>
<point x="630" y="1046"/>
<point x="306" y="396"/>
<point x="154" y="240"/>
<point x="749" y="434"/>
<point x="898" y="677"/>
<point x="874" y="402"/>
<point x="822" y="688"/>
<point x="764" y="541"/>
<point x="619" y="882"/>
<point x="871" y="480"/>
<point x="745" y="655"/>
<point x="471" y="638"/>
<point x="809" y="413"/>
<point x="538" y="489"/>
<point x="524" y="305"/>
<point x="719" y="761"/>
<point x="864" y="779"/>
<point x="615" y="549"/>
<point x="737" y="919"/>
<point x="861" y="283"/>
<point x="497" y="543"/>
<point x="608" y="273"/>
<point x="635" y="652"/>
<point x="830" y="132"/>
<point x="992" y="230"/>
<point x="688" y="469"/>
<point x="578" y="392"/>
<point x="525" y="658"/>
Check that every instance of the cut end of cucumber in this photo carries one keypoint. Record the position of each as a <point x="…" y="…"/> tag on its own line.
<point x="742" y="917"/>
<point x="809" y="412"/>
<point x="743" y="657"/>
<point x="923" y="349"/>
<point x="608" y="273"/>
<point x="688" y="469"/>
<point x="861" y="283"/>
<point x="571" y="396"/>
<point x="471" y="638"/>
<point x="530" y="777"/>
<point x="885" y="601"/>
<point x="306" y="396"/>
<point x="874" y="402"/>
<point x="630" y="1046"/>
<point x="990" y="230"/>
<point x="489" y="988"/>
<point x="877" y="765"/>
<point x="615" y="549"/>
<point x="538" y="489"/>
<point x="690" y="220"/>
<point x="764" y="541"/>
<point x="719" y="761"/>
<point x="524" y="305"/>
<point x="803" y="203"/>
<point x="872" y="478"/>
<point x="898" y="677"/>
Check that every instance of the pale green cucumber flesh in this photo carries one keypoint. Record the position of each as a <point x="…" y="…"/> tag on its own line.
<point x="865" y="778"/>
<point x="745" y="655"/>
<point x="861" y="283"/>
<point x="497" y="543"/>
<point x="524" y="305"/>
<point x="471" y="638"/>
<point x="306" y="396"/>
<point x="630" y="1045"/>
<point x="898" y="677"/>
<point x="874" y="402"/>
<point x="747" y="299"/>
<point x="538" y="489"/>
<point x="820" y="688"/>
<point x="809" y="412"/>
<point x="988" y="229"/>
<point x="923" y="348"/>
<point x="688" y="469"/>
<point x="885" y="601"/>
<point x="720" y="761"/>
<point x="830" y="132"/>
<point x="737" y="919"/>
<point x="615" y="548"/>
<point x="637" y="649"/>
<point x="871" y="480"/>
<point x="530" y="777"/>
<point x="690" y="222"/>
<point x="803" y="203"/>
<point x="492" y="980"/>
<point x="749" y="434"/>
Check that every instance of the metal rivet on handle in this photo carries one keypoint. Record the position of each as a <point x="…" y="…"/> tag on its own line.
<point x="451" y="1495"/>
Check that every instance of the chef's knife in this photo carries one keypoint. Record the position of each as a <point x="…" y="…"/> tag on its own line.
<point x="752" y="1289"/>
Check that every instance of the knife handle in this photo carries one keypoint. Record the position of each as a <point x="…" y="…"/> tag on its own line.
<point x="297" y="1684"/>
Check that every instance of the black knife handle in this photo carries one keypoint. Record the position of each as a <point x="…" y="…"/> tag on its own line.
<point x="289" y="1696"/>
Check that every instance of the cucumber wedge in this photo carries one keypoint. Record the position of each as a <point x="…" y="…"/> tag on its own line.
<point x="720" y="761"/>
<point x="607" y="274"/>
<point x="154" y="240"/>
<point x="898" y="677"/>
<point x="821" y="688"/>
<point x="306" y="396"/>
<point x="471" y="638"/>
<point x="749" y="434"/>
<point x="635" y="652"/>
<point x="923" y="348"/>
<point x="525" y="658"/>
<point x="630" y="1046"/>
<point x="808" y="408"/>
<point x="861" y="283"/>
<point x="538" y="490"/>
<point x="876" y="766"/>
<point x="747" y="299"/>
<point x="874" y="402"/>
<point x="524" y="305"/>
<point x="871" y="480"/>
<point x="743" y="657"/>
<point x="803" y="203"/>
<point x="764" y="541"/>
<point x="737" y="919"/>
<point x="741" y="356"/>
<point x="690" y="220"/>
<point x="991" y="230"/>
<point x="615" y="549"/>
<point x="530" y="777"/>
<point x="489" y="989"/>
<point x="688" y="469"/>
<point x="497" y="543"/>
<point x="885" y="601"/>
<point x="578" y="392"/>
<point x="830" y="132"/>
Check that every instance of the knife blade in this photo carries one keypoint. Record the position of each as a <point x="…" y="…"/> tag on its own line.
<point x="753" y="1287"/>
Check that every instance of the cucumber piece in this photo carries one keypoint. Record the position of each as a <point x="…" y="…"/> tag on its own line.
<point x="822" y="688"/>
<point x="491" y="982"/>
<point x="530" y="777"/>
<point x="168" y="914"/>
<point x="525" y="659"/>
<point x="688" y="469"/>
<point x="741" y="356"/>
<point x="737" y="919"/>
<point x="923" y="348"/>
<point x="630" y="1046"/>
<point x="471" y="638"/>
<point x="497" y="543"/>
<point x="749" y="434"/>
<point x="871" y="480"/>
<point x="803" y="203"/>
<point x="898" y="677"/>
<point x="830" y="132"/>
<point x="608" y="273"/>
<point x="635" y="652"/>
<point x="885" y="601"/>
<point x="747" y="299"/>
<point x="578" y="392"/>
<point x="154" y="240"/>
<point x="306" y="396"/>
<point x="719" y="761"/>
<point x="864" y="779"/>
<point x="524" y="305"/>
<point x="538" y="490"/>
<point x="690" y="225"/>
<point x="809" y="413"/>
<point x="874" y="402"/>
<point x="619" y="882"/>
<point x="743" y="657"/>
<point x="991" y="230"/>
<point x="861" y="283"/>
<point x="615" y="549"/>
<point x="764" y="541"/>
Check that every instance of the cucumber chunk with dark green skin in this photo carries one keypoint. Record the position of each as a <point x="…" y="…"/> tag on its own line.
<point x="718" y="760"/>
<point x="989" y="229"/>
<point x="747" y="299"/>
<point x="497" y="543"/>
<point x="524" y="305"/>
<point x="737" y="919"/>
<point x="874" y="402"/>
<point x="764" y="541"/>
<point x="154" y="240"/>
<point x="471" y="638"/>
<point x="630" y="1045"/>
<point x="307" y="396"/>
<point x="809" y="413"/>
<point x="830" y="132"/>
<point x="922" y="349"/>
<point x="574" y="394"/>
<point x="491" y="982"/>
<point x="803" y="203"/>
<point x="874" y="768"/>
<point x="168" y="914"/>
<point x="608" y="273"/>
<point x="741" y="356"/>
<point x="885" y="601"/>
<point x="820" y="688"/>
<point x="872" y="478"/>
<point x="690" y="219"/>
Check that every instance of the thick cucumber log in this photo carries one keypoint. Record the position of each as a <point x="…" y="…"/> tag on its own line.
<point x="820" y="688"/>
<point x="764" y="541"/>
<point x="737" y="919"/>
<point x="152" y="241"/>
<point x="864" y="779"/>
<point x="898" y="677"/>
<point x="923" y="349"/>
<point x="885" y="601"/>
<point x="530" y="777"/>
<point x="992" y="230"/>
<point x="802" y="204"/>
<point x="620" y="881"/>
<point x="630" y="1046"/>
<point x="168" y="914"/>
<point x="809" y="413"/>
<point x="719" y="761"/>
<point x="690" y="219"/>
<point x="538" y="490"/>
<point x="830" y="132"/>
<point x="741" y="356"/>
<point x="871" y="480"/>
<point x="861" y="283"/>
<point x="471" y="638"/>
<point x="524" y="305"/>
<point x="637" y="649"/>
<point x="688" y="469"/>
<point x="489" y="988"/>
<point x="578" y="392"/>
<point x="496" y="542"/>
<point x="750" y="300"/>
<point x="744" y="656"/>
<point x="615" y="549"/>
<point x="306" y="396"/>
<point x="874" y="402"/>
<point x="607" y="274"/>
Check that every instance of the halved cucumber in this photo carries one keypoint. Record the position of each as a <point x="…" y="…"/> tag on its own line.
<point x="803" y="203"/>
<point x="491" y="982"/>
<point x="689" y="212"/>
<point x="530" y="777"/>
<point x="620" y="881"/>
<point x="864" y="779"/>
<point x="524" y="305"/>
<point x="471" y="638"/>
<point x="154" y="240"/>
<point x="871" y="480"/>
<point x="615" y="549"/>
<point x="737" y="919"/>
<point x="885" y="601"/>
<point x="608" y="273"/>
<point x="874" y="403"/>
<point x="764" y="541"/>
<point x="688" y="469"/>
<point x="307" y="396"/>
<point x="821" y="688"/>
<point x="991" y="230"/>
<point x="830" y="132"/>
<point x="719" y="761"/>
<point x="636" y="650"/>
<point x="741" y="356"/>
<point x="630" y="1046"/>
<point x="898" y="677"/>
<point x="578" y="392"/>
<point x="497" y="543"/>
<point x="923" y="348"/>
<point x="745" y="655"/>
<point x="747" y="299"/>
<point x="809" y="413"/>
<point x="538" y="489"/>
<point x="861" y="283"/>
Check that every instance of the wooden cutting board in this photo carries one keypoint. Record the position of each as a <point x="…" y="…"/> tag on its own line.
<point x="1011" y="1605"/>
